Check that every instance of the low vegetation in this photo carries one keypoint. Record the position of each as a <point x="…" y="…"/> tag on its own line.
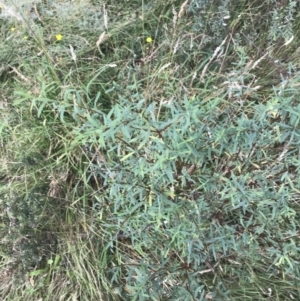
<point x="149" y="150"/>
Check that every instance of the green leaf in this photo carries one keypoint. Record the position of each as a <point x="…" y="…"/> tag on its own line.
<point x="127" y="156"/>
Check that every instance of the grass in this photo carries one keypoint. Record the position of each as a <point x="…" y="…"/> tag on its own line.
<point x="138" y="169"/>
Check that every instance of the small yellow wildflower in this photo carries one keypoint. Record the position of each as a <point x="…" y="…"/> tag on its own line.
<point x="12" y="29"/>
<point x="59" y="37"/>
<point x="25" y="37"/>
<point x="149" y="40"/>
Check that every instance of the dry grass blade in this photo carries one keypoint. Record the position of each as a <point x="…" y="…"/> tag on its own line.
<point x="182" y="9"/>
<point x="100" y="39"/>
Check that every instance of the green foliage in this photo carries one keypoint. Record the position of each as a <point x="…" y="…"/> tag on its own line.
<point x="163" y="170"/>
<point x="193" y="189"/>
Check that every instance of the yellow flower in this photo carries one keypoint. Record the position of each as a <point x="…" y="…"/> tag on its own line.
<point x="25" y="37"/>
<point x="149" y="40"/>
<point x="59" y="37"/>
<point x="12" y="29"/>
